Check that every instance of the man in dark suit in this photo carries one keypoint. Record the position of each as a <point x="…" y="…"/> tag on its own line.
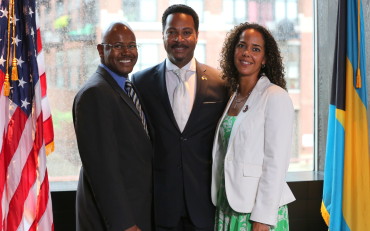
<point x="183" y="131"/>
<point x="115" y="186"/>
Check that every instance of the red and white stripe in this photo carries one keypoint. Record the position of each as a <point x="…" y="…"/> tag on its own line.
<point x="24" y="141"/>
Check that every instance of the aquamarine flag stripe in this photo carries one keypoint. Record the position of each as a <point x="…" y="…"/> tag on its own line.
<point x="333" y="178"/>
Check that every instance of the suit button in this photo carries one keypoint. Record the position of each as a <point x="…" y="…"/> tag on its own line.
<point x="229" y="158"/>
<point x="179" y="166"/>
<point x="183" y="138"/>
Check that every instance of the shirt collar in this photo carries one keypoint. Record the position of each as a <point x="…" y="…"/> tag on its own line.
<point x="191" y="66"/>
<point x="120" y="79"/>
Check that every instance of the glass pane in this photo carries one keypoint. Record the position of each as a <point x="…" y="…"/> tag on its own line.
<point x="197" y="5"/>
<point x="144" y="10"/>
<point x="145" y="60"/>
<point x="71" y="30"/>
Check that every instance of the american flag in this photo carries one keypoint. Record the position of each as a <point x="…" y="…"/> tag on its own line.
<point x="26" y="131"/>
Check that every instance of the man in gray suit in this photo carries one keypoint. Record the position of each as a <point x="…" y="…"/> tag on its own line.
<point x="185" y="100"/>
<point x="115" y="186"/>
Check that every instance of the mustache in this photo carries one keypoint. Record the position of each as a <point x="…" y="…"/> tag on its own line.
<point x="179" y="45"/>
<point x="127" y="56"/>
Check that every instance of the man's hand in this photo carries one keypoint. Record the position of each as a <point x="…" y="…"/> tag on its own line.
<point x="133" y="228"/>
<point x="260" y="227"/>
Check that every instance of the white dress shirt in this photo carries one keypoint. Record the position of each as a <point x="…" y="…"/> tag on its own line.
<point x="172" y="80"/>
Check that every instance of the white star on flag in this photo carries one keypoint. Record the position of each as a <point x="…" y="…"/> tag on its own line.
<point x="21" y="83"/>
<point x="2" y="61"/>
<point x="15" y="21"/>
<point x="20" y="61"/>
<point x="32" y="32"/>
<point x="30" y="12"/>
<point x="5" y="13"/>
<point x="16" y="40"/>
<point x="25" y="103"/>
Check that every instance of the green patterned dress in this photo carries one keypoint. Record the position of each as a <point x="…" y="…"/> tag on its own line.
<point x="226" y="218"/>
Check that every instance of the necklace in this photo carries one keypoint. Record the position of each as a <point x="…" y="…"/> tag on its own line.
<point x="237" y="101"/>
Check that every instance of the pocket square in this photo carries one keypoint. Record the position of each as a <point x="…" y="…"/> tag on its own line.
<point x="210" y="102"/>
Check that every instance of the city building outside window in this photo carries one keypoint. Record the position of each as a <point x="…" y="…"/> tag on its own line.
<point x="143" y="11"/>
<point x="71" y="56"/>
<point x="195" y="4"/>
<point x="145" y="61"/>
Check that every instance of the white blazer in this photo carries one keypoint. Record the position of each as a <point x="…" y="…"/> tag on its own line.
<point x="258" y="154"/>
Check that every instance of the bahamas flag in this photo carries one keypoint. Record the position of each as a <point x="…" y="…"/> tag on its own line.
<point x="346" y="194"/>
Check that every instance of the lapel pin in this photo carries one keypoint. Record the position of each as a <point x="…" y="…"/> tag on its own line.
<point x="246" y="108"/>
<point x="204" y="78"/>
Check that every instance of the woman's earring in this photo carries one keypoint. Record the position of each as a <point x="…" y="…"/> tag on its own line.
<point x="263" y="66"/>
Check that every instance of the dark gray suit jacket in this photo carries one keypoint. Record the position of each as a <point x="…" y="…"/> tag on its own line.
<point x="115" y="186"/>
<point x="182" y="161"/>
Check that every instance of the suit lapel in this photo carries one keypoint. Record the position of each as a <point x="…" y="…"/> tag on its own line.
<point x="202" y="85"/>
<point x="161" y="75"/>
<point x="106" y="76"/>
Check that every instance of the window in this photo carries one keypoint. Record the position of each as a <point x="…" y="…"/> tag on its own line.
<point x="286" y="9"/>
<point x="235" y="11"/>
<point x="60" y="77"/>
<point x="59" y="7"/>
<point x="71" y="56"/>
<point x="74" y="5"/>
<point x="139" y="11"/>
<point x="145" y="60"/>
<point x="73" y="65"/>
<point x="197" y="5"/>
<point x="91" y="62"/>
<point x="200" y="52"/>
<point x="291" y="52"/>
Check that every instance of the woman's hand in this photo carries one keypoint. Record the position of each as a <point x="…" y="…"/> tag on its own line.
<point x="260" y="227"/>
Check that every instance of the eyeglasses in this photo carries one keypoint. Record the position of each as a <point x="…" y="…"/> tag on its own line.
<point x="120" y="46"/>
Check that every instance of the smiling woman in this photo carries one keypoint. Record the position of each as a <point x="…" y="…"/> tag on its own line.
<point x="72" y="56"/>
<point x="259" y="142"/>
<point x="249" y="56"/>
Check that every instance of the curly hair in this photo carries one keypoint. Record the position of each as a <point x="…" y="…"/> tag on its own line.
<point x="180" y="8"/>
<point x="273" y="68"/>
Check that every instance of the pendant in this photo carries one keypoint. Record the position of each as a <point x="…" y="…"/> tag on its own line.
<point x="246" y="108"/>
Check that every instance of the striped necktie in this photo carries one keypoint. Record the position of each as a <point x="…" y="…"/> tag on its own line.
<point x="132" y="94"/>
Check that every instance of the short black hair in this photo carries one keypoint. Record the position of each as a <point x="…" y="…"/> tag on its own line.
<point x="180" y="8"/>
